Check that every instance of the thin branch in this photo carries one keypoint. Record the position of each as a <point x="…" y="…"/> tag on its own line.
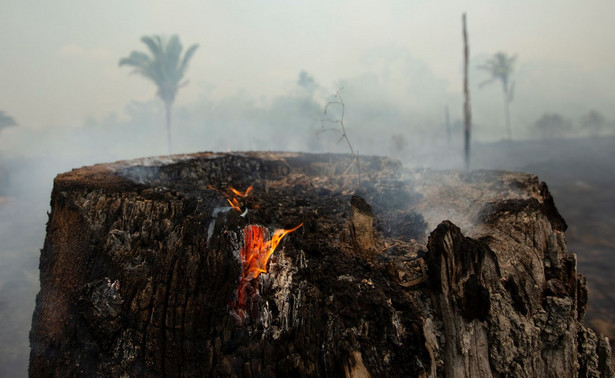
<point x="340" y="102"/>
<point x="334" y="103"/>
<point x="329" y="129"/>
<point x="340" y="120"/>
<point x="349" y="167"/>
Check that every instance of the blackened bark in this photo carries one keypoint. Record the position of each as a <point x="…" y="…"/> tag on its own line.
<point x="141" y="273"/>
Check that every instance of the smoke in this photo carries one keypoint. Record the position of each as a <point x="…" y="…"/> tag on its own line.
<point x="395" y="106"/>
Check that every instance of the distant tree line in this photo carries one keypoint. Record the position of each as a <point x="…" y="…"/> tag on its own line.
<point x="592" y="123"/>
<point x="6" y="120"/>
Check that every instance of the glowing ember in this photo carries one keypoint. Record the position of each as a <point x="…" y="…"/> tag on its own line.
<point x="255" y="253"/>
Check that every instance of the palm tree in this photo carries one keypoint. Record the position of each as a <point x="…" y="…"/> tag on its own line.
<point x="501" y="67"/>
<point x="6" y="120"/>
<point x="165" y="67"/>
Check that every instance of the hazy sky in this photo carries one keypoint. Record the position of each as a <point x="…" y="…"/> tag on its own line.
<point x="59" y="59"/>
<point x="399" y="63"/>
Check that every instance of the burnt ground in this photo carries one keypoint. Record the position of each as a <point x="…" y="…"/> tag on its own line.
<point x="580" y="174"/>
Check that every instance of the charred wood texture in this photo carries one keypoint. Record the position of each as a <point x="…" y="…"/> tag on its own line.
<point x="142" y="273"/>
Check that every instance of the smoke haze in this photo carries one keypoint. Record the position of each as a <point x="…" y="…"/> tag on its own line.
<point x="260" y="81"/>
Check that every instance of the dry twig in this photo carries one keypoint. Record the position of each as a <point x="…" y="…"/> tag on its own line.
<point x="342" y="130"/>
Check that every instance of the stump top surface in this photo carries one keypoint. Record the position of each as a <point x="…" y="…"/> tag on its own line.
<point x="121" y="175"/>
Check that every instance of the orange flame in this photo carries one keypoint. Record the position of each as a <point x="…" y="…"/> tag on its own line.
<point x="256" y="250"/>
<point x="255" y="255"/>
<point x="241" y="194"/>
<point x="232" y="200"/>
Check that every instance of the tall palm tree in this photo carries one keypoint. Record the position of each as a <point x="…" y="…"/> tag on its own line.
<point x="501" y="65"/>
<point x="165" y="67"/>
<point x="6" y="120"/>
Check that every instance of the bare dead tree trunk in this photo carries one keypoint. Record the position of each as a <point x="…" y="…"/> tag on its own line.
<point x="467" y="116"/>
<point x="168" y="107"/>
<point x="506" y="110"/>
<point x="448" y="124"/>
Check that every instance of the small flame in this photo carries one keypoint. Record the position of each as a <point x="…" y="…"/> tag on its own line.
<point x="241" y="194"/>
<point x="255" y="255"/>
<point x="232" y="200"/>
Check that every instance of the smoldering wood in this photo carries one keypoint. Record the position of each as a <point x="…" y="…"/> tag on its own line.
<point x="412" y="273"/>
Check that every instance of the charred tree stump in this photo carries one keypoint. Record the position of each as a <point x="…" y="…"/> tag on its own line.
<point x="276" y="264"/>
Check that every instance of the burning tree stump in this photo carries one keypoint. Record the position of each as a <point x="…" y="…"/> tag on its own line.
<point x="275" y="264"/>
